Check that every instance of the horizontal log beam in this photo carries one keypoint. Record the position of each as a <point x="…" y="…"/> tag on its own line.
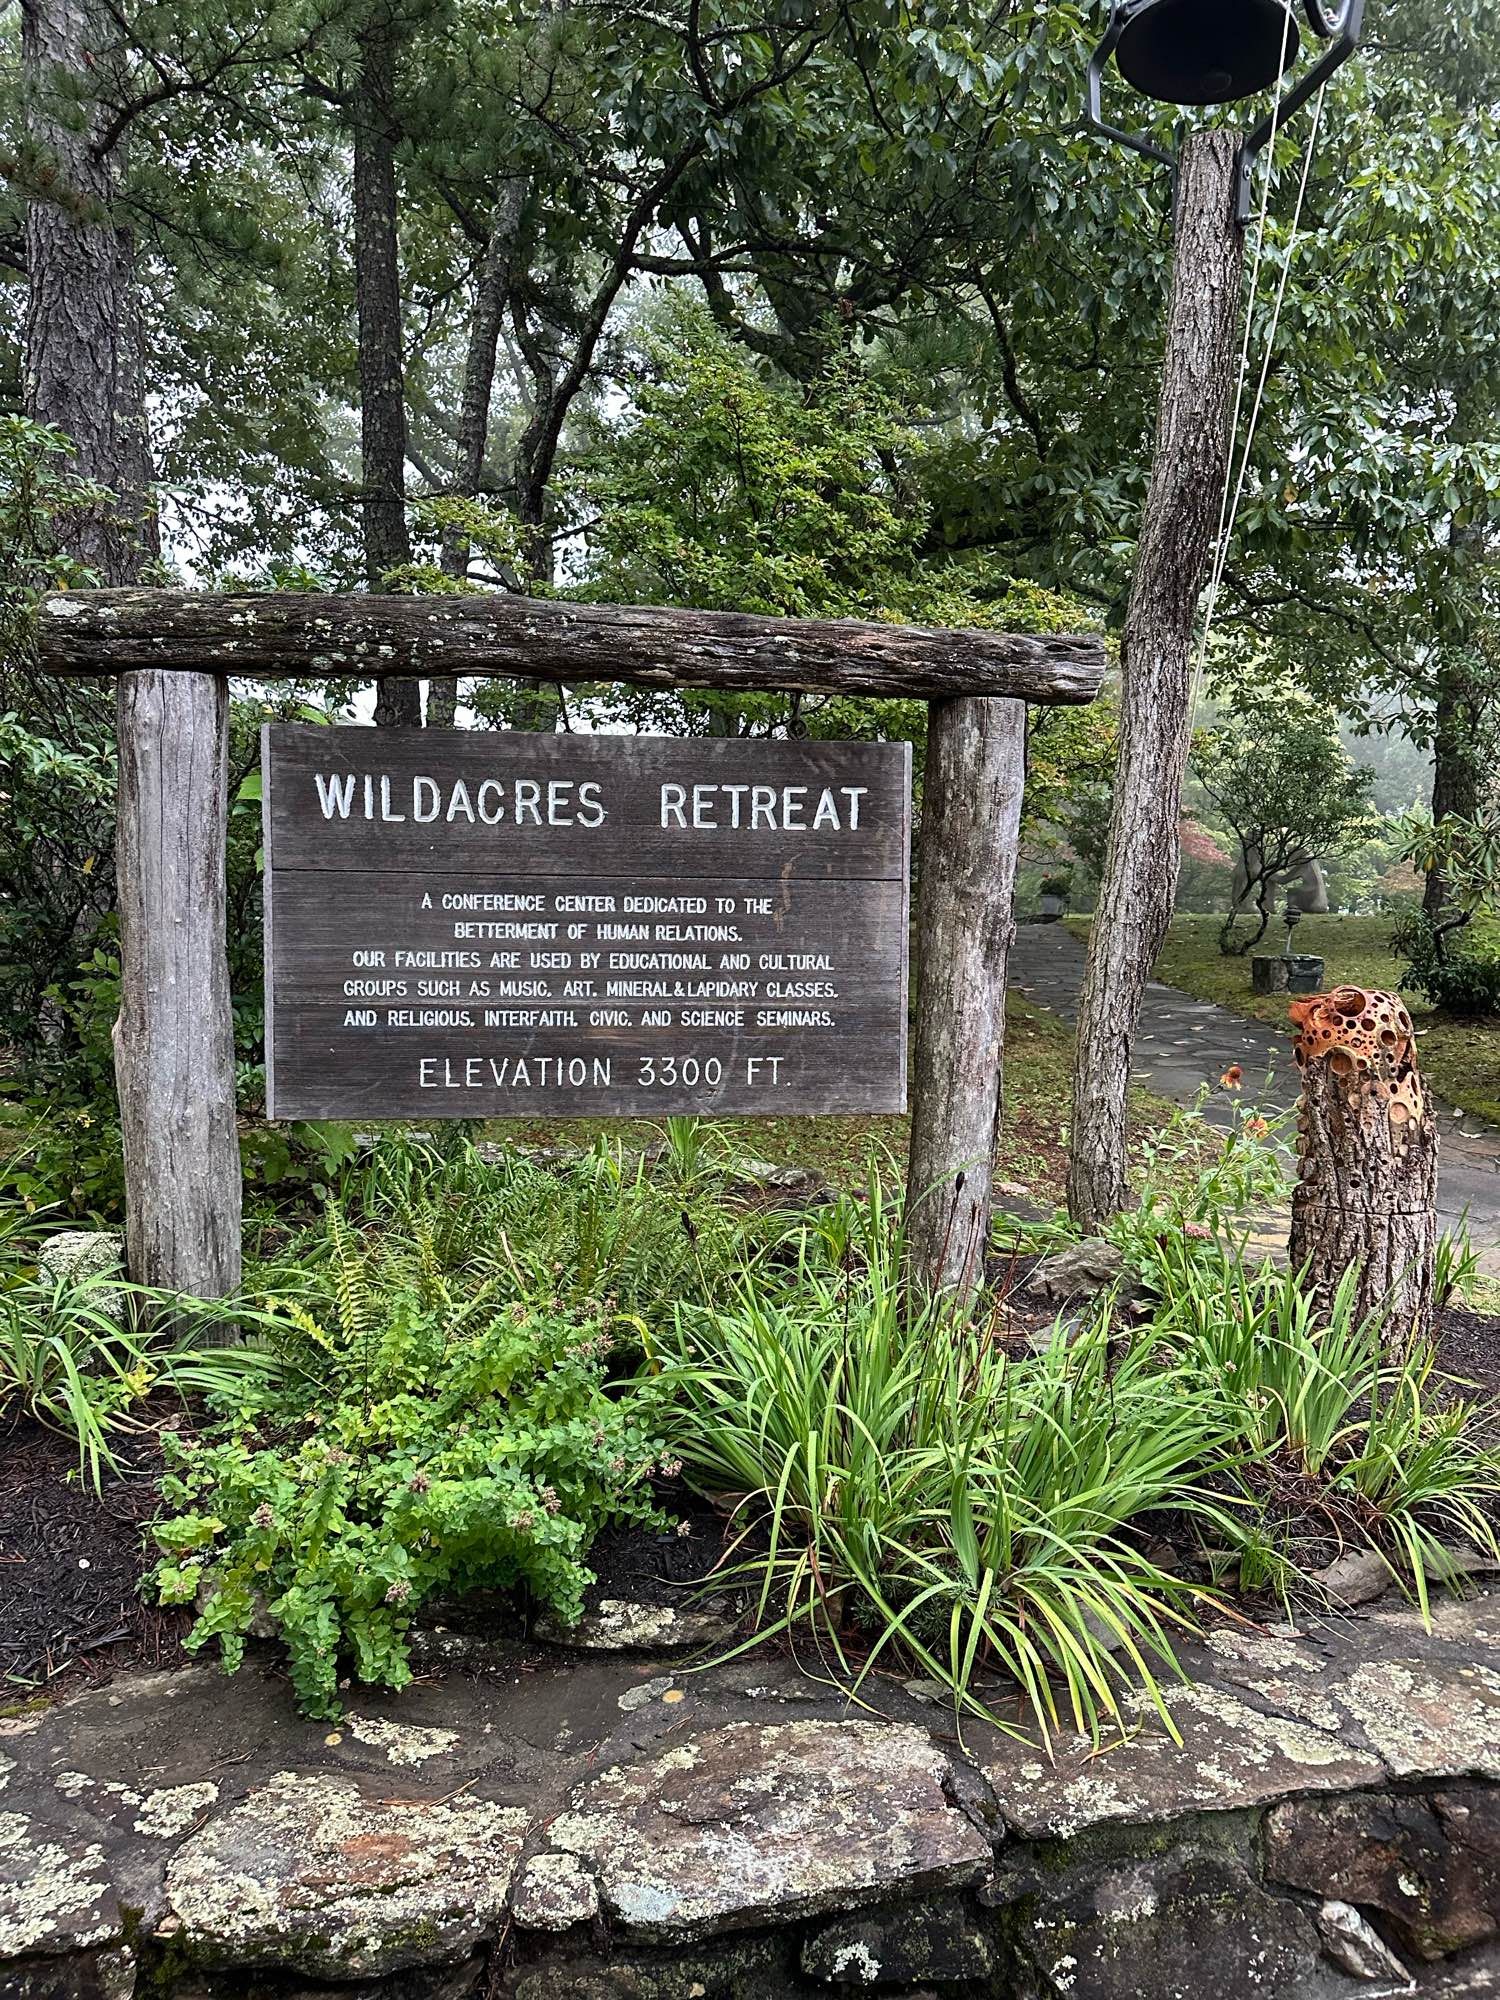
<point x="295" y="634"/>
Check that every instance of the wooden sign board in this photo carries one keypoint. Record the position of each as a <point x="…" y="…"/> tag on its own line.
<point x="483" y="924"/>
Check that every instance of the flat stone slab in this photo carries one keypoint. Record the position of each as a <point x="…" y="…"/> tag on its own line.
<point x="769" y="1823"/>
<point x="1270" y="1715"/>
<point x="620" y="1625"/>
<point x="306" y="1875"/>
<point x="586" y="1801"/>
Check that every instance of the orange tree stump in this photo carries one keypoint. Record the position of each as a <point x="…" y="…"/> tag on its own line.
<point x="1367" y="1184"/>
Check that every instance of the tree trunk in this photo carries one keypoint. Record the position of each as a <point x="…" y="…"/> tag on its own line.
<point x="491" y="300"/>
<point x="1455" y="765"/>
<point x="1141" y="860"/>
<point x="1368" y="1145"/>
<point x="83" y="348"/>
<point x="971" y="812"/>
<point x="382" y="392"/>
<point x="174" y="1040"/>
<point x="491" y="297"/>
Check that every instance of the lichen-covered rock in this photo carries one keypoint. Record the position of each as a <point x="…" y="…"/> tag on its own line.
<point x="88" y="1257"/>
<point x="1171" y="1926"/>
<point x="620" y="1625"/>
<point x="1427" y="1868"/>
<point x="306" y="1875"/>
<point x="56" y="1892"/>
<point x="553" y="1893"/>
<point x="798" y="1184"/>
<point x="768" y="1823"/>
<point x="1427" y="1717"/>
<point x="1231" y="1755"/>
<point x="937" y="1944"/>
<point x="1080" y="1271"/>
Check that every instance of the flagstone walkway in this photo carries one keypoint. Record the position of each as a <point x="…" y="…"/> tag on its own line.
<point x="1185" y="1043"/>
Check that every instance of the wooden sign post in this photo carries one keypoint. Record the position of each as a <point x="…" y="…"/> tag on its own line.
<point x="470" y="924"/>
<point x="841" y="899"/>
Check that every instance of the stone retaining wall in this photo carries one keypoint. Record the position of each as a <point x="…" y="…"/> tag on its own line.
<point x="623" y="1828"/>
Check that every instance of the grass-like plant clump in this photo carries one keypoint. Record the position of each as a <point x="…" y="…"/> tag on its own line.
<point x="85" y="1356"/>
<point x="913" y="1494"/>
<point x="474" y="1361"/>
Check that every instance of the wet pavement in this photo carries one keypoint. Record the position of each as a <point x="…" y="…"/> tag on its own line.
<point x="1185" y="1043"/>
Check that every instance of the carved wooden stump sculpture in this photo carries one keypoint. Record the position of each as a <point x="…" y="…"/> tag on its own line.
<point x="1367" y="1185"/>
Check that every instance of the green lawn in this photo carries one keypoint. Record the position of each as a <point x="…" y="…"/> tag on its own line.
<point x="1460" y="1058"/>
<point x="1033" y="1139"/>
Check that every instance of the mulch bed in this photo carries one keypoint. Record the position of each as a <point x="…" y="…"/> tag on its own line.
<point x="71" y="1561"/>
<point x="1469" y="1348"/>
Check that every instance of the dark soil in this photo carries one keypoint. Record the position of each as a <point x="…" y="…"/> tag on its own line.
<point x="665" y="1568"/>
<point x="1469" y="1349"/>
<point x="71" y="1563"/>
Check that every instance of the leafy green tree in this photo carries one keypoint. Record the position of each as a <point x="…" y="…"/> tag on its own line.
<point x="1445" y="961"/>
<point x="727" y="485"/>
<point x="1284" y="785"/>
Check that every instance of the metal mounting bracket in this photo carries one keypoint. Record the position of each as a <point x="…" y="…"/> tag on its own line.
<point x="1343" y="28"/>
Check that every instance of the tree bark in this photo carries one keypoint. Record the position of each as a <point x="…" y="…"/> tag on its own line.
<point x="382" y="392"/>
<point x="294" y="633"/>
<point x="491" y="301"/>
<point x="174" y="1040"/>
<point x="1366" y="1197"/>
<point x="83" y="347"/>
<point x="1144" y="848"/>
<point x="1455" y="765"/>
<point x="491" y="298"/>
<point x="971" y="812"/>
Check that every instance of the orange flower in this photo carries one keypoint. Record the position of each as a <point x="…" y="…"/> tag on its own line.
<point x="1233" y="1077"/>
<point x="1257" y="1127"/>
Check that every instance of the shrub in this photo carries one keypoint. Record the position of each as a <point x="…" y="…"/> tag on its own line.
<point x="442" y="1421"/>
<point x="1444" y="968"/>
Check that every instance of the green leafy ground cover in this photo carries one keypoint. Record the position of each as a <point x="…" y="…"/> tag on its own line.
<point x="474" y="1365"/>
<point x="1033" y="1135"/>
<point x="1461" y="1057"/>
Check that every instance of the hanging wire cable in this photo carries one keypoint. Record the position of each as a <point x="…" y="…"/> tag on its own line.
<point x="1243" y="370"/>
<point x="1234" y="483"/>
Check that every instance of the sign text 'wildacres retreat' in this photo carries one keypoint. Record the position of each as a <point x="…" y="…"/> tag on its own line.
<point x="471" y="924"/>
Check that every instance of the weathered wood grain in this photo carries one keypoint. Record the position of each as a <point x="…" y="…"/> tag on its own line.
<point x="281" y="633"/>
<point x="309" y="828"/>
<point x="971" y="810"/>
<point x="427" y="969"/>
<point x="818" y="1074"/>
<point x="174" y="1043"/>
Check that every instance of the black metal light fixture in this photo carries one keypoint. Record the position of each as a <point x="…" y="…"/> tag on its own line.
<point x="1218" y="52"/>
